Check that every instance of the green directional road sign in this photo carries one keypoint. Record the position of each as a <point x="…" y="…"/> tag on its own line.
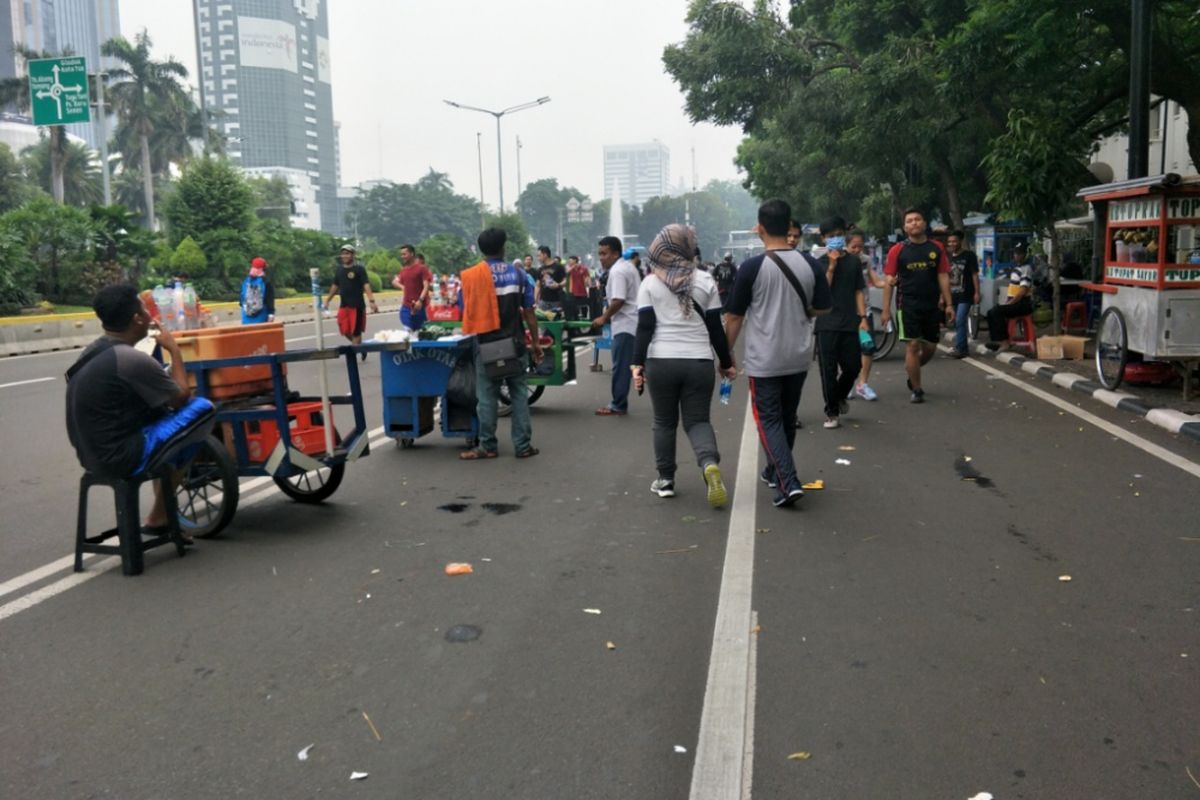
<point x="58" y="90"/>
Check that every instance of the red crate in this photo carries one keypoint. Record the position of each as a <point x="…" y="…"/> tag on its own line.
<point x="444" y="314"/>
<point x="304" y="424"/>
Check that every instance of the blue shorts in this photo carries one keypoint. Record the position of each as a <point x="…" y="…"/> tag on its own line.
<point x="411" y="318"/>
<point x="158" y="434"/>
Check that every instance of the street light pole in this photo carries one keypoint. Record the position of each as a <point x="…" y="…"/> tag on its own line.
<point x="499" y="144"/>
<point x="479" y="147"/>
<point x="102" y="121"/>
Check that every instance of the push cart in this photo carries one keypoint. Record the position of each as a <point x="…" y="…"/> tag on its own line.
<point x="279" y="435"/>
<point x="413" y="383"/>
<point x="1151" y="284"/>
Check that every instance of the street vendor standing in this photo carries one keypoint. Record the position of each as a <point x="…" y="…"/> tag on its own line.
<point x="350" y="281"/>
<point x="123" y="408"/>
<point x="496" y="300"/>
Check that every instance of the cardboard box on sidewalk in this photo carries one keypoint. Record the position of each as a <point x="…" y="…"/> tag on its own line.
<point x="1054" y="348"/>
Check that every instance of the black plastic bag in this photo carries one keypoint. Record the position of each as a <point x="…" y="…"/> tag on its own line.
<point x="460" y="390"/>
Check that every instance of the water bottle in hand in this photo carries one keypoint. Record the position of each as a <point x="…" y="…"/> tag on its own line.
<point x="726" y="391"/>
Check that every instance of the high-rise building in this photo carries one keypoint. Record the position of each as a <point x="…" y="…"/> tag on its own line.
<point x="641" y="171"/>
<point x="265" y="83"/>
<point x="58" y="27"/>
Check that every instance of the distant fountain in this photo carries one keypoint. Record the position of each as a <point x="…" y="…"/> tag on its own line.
<point x="616" y="220"/>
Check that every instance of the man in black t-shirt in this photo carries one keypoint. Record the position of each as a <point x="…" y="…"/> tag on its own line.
<point x="724" y="273"/>
<point x="922" y="273"/>
<point x="964" y="289"/>
<point x="552" y="278"/>
<point x="351" y="283"/>
<point x="122" y="407"/>
<point x="838" y="349"/>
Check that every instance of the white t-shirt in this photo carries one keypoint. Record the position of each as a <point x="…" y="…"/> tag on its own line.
<point x="676" y="335"/>
<point x="623" y="280"/>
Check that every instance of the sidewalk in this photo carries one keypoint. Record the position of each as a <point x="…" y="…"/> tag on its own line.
<point x="1163" y="406"/>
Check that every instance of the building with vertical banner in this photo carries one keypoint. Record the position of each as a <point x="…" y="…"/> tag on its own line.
<point x="265" y="84"/>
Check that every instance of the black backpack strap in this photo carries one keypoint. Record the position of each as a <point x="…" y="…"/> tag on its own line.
<point x="792" y="279"/>
<point x="104" y="344"/>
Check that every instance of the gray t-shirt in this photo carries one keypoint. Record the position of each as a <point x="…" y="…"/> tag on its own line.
<point x="623" y="281"/>
<point x="679" y="335"/>
<point x="778" y="332"/>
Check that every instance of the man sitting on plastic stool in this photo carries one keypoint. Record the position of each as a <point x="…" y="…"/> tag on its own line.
<point x="123" y="408"/>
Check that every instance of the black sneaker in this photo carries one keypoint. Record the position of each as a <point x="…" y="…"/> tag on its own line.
<point x="766" y="477"/>
<point x="918" y="396"/>
<point x="789" y="499"/>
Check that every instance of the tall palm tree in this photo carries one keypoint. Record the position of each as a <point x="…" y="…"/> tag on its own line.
<point x="137" y="87"/>
<point x="434" y="181"/>
<point x="15" y="92"/>
<point x="79" y="171"/>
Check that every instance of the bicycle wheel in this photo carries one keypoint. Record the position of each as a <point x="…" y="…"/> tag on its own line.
<point x="315" y="485"/>
<point x="207" y="493"/>
<point x="505" y="407"/>
<point x="885" y="340"/>
<point x="1112" y="348"/>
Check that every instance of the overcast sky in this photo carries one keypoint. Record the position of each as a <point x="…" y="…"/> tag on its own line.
<point x="394" y="61"/>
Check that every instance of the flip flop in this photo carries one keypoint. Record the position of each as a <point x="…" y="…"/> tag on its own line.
<point x="477" y="454"/>
<point x="529" y="453"/>
<point x="609" y="412"/>
<point x="161" y="530"/>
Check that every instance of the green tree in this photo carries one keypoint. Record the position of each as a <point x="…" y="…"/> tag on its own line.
<point x="15" y="187"/>
<point x="292" y="252"/>
<point x="188" y="258"/>
<point x="17" y="273"/>
<point x="57" y="241"/>
<point x="79" y="171"/>
<point x="272" y="198"/>
<point x="511" y="223"/>
<point x="139" y="88"/>
<point x="119" y="239"/>
<point x="445" y="253"/>
<point x="542" y="204"/>
<point x="15" y="92"/>
<point x="211" y="195"/>
<point x="395" y="213"/>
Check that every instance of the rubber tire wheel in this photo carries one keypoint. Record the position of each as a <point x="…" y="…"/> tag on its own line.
<point x="505" y="407"/>
<point x="1115" y="345"/>
<point x="320" y="493"/>
<point x="884" y="340"/>
<point x="404" y="443"/>
<point x="211" y="466"/>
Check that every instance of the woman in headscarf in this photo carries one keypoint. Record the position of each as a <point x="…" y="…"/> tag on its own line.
<point x="679" y="327"/>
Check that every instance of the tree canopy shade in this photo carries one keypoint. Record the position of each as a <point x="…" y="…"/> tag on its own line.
<point x="15" y="92"/>
<point x="844" y="99"/>
<point x="79" y="171"/>
<point x="395" y="213"/>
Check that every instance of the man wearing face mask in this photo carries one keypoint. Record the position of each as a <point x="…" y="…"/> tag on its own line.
<point x="838" y="349"/>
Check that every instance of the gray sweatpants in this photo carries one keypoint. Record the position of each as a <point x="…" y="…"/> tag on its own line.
<point x="681" y="387"/>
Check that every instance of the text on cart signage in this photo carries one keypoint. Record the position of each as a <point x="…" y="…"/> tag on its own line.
<point x="1139" y="209"/>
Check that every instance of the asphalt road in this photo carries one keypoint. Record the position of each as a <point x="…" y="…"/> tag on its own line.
<point x="916" y="639"/>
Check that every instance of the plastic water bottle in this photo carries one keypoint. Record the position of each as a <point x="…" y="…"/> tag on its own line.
<point x="726" y="391"/>
<point x="180" y="313"/>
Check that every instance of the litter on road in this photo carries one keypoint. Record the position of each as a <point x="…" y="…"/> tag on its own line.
<point x="1065" y="578"/>
<point x="845" y="462"/>
<point x="981" y="796"/>
<point x="459" y="568"/>
<point x="591" y="611"/>
<point x="374" y="730"/>
<point x="610" y="645"/>
<point x="680" y="748"/>
<point x="814" y="485"/>
<point x="303" y="754"/>
<point x="801" y="756"/>
<point x="358" y="776"/>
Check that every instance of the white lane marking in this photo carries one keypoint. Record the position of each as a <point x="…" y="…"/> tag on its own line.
<point x="30" y="600"/>
<point x="58" y="587"/>
<point x="1144" y="445"/>
<point x="722" y="748"/>
<point x="751" y="694"/>
<point x="35" y="575"/>
<point x="26" y="383"/>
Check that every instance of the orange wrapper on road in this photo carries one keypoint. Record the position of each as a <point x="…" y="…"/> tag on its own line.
<point x="459" y="569"/>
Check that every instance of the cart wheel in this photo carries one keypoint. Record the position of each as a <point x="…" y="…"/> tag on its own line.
<point x="506" y="402"/>
<point x="1112" y="348"/>
<point x="404" y="443"/>
<point x="315" y="485"/>
<point x="885" y="340"/>
<point x="207" y="494"/>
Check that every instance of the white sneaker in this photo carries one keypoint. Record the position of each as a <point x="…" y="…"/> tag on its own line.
<point x="866" y="392"/>
<point x="832" y="422"/>
<point x="663" y="487"/>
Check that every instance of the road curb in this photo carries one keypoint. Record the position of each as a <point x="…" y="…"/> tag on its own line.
<point x="73" y="332"/>
<point x="1169" y="419"/>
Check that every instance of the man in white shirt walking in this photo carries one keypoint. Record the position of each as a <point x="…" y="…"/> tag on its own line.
<point x="621" y="314"/>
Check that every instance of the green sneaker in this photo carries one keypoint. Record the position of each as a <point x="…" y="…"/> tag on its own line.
<point x="717" y="496"/>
